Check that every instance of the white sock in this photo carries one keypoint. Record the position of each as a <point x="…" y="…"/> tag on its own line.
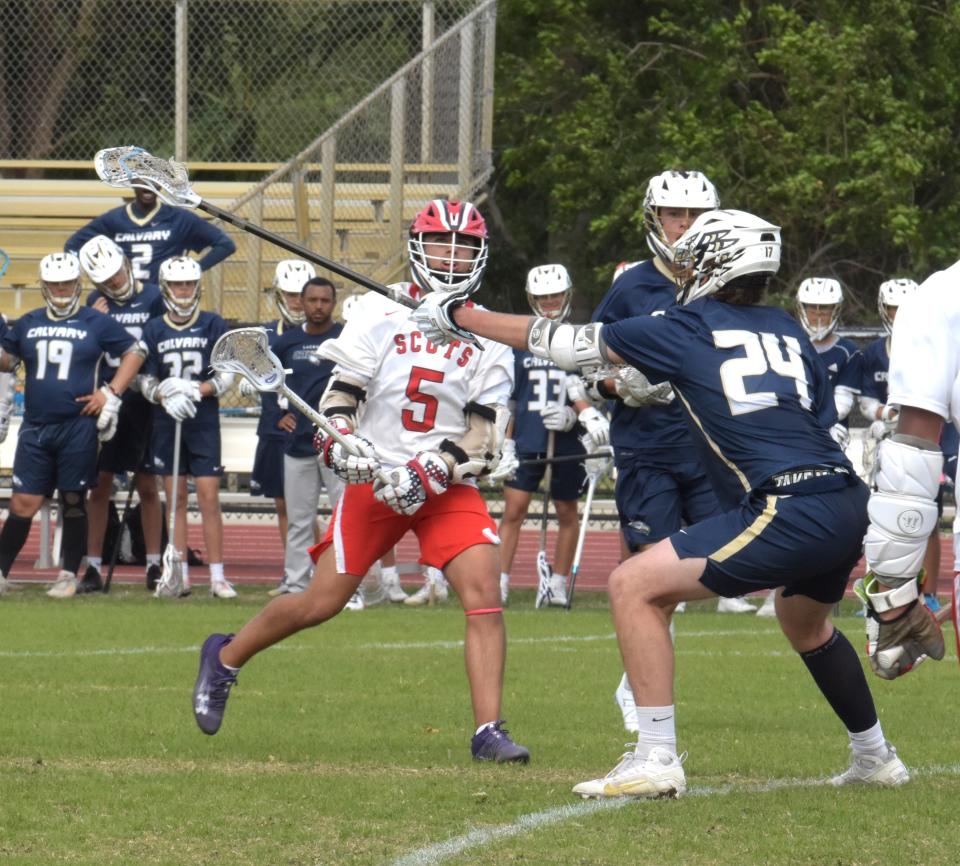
<point x="216" y="572"/>
<point x="564" y="577"/>
<point x="657" y="728"/>
<point x="185" y="571"/>
<point x="869" y="742"/>
<point x="484" y="726"/>
<point x="389" y="571"/>
<point x="95" y="561"/>
<point x="153" y="559"/>
<point x="504" y="577"/>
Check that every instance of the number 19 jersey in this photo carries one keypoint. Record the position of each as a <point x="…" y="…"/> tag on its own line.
<point x="416" y="391"/>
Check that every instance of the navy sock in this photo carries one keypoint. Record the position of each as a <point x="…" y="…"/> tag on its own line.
<point x="12" y="538"/>
<point x="836" y="669"/>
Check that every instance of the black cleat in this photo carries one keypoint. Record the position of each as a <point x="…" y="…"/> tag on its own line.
<point x="91" y="581"/>
<point x="153" y="577"/>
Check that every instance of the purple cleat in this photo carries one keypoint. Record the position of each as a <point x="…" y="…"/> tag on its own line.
<point x="213" y="685"/>
<point x="493" y="743"/>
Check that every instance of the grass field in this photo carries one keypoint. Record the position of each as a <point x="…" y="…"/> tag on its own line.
<point x="349" y="744"/>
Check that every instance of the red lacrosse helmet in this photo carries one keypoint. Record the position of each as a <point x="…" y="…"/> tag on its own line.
<point x="460" y="232"/>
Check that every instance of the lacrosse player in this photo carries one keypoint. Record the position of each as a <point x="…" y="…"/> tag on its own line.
<point x="543" y="405"/>
<point x="61" y="346"/>
<point x="178" y="379"/>
<point x="757" y="395"/>
<point x="117" y="294"/>
<point x="923" y="372"/>
<point x="266" y="479"/>
<point x="303" y="477"/>
<point x="149" y="232"/>
<point x="429" y="427"/>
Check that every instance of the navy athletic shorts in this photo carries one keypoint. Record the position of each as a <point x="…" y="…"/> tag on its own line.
<point x="129" y="449"/>
<point x="266" y="479"/>
<point x="61" y="456"/>
<point x="655" y="500"/>
<point x="807" y="543"/>
<point x="199" y="449"/>
<point x="565" y="484"/>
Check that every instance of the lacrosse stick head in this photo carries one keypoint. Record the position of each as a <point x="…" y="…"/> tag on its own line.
<point x="170" y="584"/>
<point x="129" y="167"/>
<point x="544" y="573"/>
<point x="247" y="351"/>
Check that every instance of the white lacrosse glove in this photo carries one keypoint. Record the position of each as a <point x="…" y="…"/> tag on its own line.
<point x="173" y="385"/>
<point x="558" y="418"/>
<point x="246" y="388"/>
<point x="509" y="463"/>
<point x="880" y="430"/>
<point x="411" y="485"/>
<point x="596" y="425"/>
<point x="601" y="465"/>
<point x="840" y="435"/>
<point x="283" y="404"/>
<point x="635" y="389"/>
<point x="434" y="318"/>
<point x="180" y="407"/>
<point x="109" y="415"/>
<point x="356" y="464"/>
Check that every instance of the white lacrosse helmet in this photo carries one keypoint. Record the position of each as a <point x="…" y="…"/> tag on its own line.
<point x="288" y="279"/>
<point x="892" y="294"/>
<point x="466" y="228"/>
<point x="103" y="261"/>
<point x="822" y="292"/>
<point x="549" y="280"/>
<point x="349" y="306"/>
<point x="180" y="269"/>
<point x="722" y="246"/>
<point x="60" y="268"/>
<point x="686" y="189"/>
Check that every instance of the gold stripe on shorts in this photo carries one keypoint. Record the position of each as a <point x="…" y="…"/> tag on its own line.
<point x="749" y="534"/>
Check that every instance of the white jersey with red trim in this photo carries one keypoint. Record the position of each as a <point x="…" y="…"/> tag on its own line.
<point x="925" y="351"/>
<point x="416" y="391"/>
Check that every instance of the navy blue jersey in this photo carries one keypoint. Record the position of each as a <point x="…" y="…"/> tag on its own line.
<point x="872" y="369"/>
<point x="133" y="315"/>
<point x="656" y="432"/>
<point x="536" y="383"/>
<point x="297" y="350"/>
<point x="147" y="240"/>
<point x="62" y="359"/>
<point x="183" y="352"/>
<point x="750" y="381"/>
<point x="270" y="412"/>
<point x="837" y="359"/>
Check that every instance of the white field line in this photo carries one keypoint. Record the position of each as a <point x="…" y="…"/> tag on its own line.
<point x="399" y="645"/>
<point x="430" y="855"/>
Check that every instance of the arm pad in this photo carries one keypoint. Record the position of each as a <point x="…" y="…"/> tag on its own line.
<point x="570" y="347"/>
<point x="843" y="400"/>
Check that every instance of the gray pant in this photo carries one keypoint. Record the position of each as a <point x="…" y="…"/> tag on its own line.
<point x="302" y="481"/>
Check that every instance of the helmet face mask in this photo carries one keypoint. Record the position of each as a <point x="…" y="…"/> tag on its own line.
<point x="819" y="292"/>
<point x="60" y="284"/>
<point x="108" y="268"/>
<point x="174" y="273"/>
<point x="448" y="247"/>
<point x="720" y="247"/>
<point x="288" y="281"/>
<point x="687" y="191"/>
<point x="550" y="291"/>
<point x="891" y="294"/>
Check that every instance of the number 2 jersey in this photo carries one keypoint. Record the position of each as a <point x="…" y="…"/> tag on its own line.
<point x="750" y="383"/>
<point x="416" y="392"/>
<point x="62" y="359"/>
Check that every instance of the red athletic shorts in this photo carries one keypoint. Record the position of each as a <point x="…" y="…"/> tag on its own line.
<point x="362" y="529"/>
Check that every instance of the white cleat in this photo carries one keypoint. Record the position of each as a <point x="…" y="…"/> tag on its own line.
<point x="735" y="605"/>
<point x="222" y="589"/>
<point x="888" y="770"/>
<point x="65" y="586"/>
<point x="356" y="601"/>
<point x="769" y="606"/>
<point x="504" y="588"/>
<point x="624" y="698"/>
<point x="390" y="583"/>
<point x="558" y="591"/>
<point x="681" y="607"/>
<point x="433" y="591"/>
<point x="660" y="774"/>
<point x="5" y="585"/>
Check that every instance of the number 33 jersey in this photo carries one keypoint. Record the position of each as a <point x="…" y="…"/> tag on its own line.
<point x="416" y="391"/>
<point x="750" y="382"/>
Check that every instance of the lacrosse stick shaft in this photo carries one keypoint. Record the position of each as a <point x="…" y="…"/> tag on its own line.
<point x="116" y="543"/>
<point x="591" y="487"/>
<point x="306" y="253"/>
<point x="563" y="458"/>
<point x="547" y="481"/>
<point x="174" y="484"/>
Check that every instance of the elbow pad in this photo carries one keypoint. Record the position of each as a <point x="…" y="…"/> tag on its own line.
<point x="570" y="347"/>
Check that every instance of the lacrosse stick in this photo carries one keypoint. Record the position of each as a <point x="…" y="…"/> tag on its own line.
<point x="4" y="262"/>
<point x="955" y="612"/>
<point x="129" y="166"/>
<point x="170" y="584"/>
<point x="115" y="552"/>
<point x="591" y="487"/>
<point x="247" y="351"/>
<point x="544" y="571"/>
